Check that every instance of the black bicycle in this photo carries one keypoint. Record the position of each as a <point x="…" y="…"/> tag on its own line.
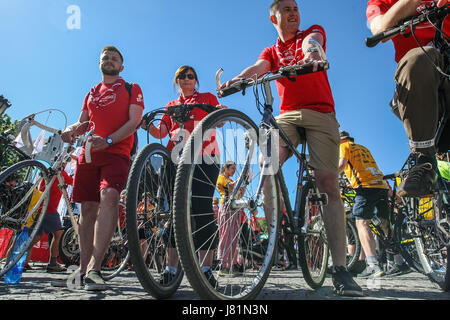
<point x="231" y="135"/>
<point x="353" y="243"/>
<point x="431" y="236"/>
<point x="149" y="206"/>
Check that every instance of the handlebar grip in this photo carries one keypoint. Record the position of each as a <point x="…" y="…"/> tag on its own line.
<point x="392" y="175"/>
<point x="373" y="41"/>
<point x="228" y="91"/>
<point x="309" y="69"/>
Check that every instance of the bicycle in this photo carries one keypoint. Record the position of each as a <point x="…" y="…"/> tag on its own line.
<point x="353" y="243"/>
<point x="116" y="257"/>
<point x="431" y="236"/>
<point x="426" y="224"/>
<point x="149" y="208"/>
<point x="23" y="204"/>
<point x="240" y="140"/>
<point x="398" y="239"/>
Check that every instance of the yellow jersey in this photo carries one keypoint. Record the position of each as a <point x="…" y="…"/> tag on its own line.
<point x="361" y="168"/>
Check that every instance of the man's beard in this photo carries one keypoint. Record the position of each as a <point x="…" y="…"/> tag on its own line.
<point x="110" y="72"/>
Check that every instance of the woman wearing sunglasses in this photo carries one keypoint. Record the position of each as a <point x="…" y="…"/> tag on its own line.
<point x="186" y="81"/>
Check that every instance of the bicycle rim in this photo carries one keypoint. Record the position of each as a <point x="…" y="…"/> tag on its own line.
<point x="431" y="242"/>
<point x="353" y="243"/>
<point x="22" y="205"/>
<point x="149" y="221"/>
<point x="312" y="246"/>
<point x="239" y="265"/>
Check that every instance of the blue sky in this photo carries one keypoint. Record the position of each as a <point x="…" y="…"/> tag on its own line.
<point x="44" y="64"/>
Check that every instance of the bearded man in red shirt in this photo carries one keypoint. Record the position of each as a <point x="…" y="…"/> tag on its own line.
<point x="308" y="103"/>
<point x="418" y="83"/>
<point x="116" y="114"/>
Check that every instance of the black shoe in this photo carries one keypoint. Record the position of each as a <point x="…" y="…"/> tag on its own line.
<point x="420" y="180"/>
<point x="344" y="285"/>
<point x="397" y="270"/>
<point x="94" y="281"/>
<point x="72" y="281"/>
<point x="357" y="267"/>
<point x="166" y="278"/>
<point x="209" y="275"/>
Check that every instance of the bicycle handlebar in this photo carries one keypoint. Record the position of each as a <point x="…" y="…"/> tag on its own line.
<point x="284" y="72"/>
<point x="178" y="113"/>
<point x="392" y="175"/>
<point x="430" y="13"/>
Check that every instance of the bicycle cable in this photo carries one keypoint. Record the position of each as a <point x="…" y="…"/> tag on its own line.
<point x="424" y="51"/>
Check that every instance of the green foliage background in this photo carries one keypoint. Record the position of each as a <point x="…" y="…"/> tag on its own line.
<point x="7" y="127"/>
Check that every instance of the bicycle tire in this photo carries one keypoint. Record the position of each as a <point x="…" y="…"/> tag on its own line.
<point x="404" y="240"/>
<point x="353" y="240"/>
<point x="69" y="248"/>
<point x="432" y="244"/>
<point x="147" y="182"/>
<point x="312" y="243"/>
<point x="16" y="203"/>
<point x="227" y="126"/>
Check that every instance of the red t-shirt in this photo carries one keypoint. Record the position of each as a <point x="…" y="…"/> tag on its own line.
<point x="196" y="116"/>
<point x="424" y="32"/>
<point x="310" y="91"/>
<point x="55" y="192"/>
<point x="108" y="106"/>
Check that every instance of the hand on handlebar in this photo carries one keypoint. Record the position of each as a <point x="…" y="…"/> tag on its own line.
<point x="147" y="119"/>
<point x="314" y="58"/>
<point x="70" y="134"/>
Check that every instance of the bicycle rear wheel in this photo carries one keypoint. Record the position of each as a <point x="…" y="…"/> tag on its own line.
<point x="69" y="247"/>
<point x="201" y="237"/>
<point x="149" y="221"/>
<point x="21" y="203"/>
<point x="353" y="243"/>
<point x="312" y="241"/>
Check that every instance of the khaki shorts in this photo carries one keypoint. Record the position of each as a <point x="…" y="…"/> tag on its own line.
<point x="322" y="136"/>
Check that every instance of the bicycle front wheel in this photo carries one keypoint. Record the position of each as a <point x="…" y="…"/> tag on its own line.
<point x="149" y="221"/>
<point x="432" y="240"/>
<point x="220" y="258"/>
<point x="21" y="204"/>
<point x="312" y="241"/>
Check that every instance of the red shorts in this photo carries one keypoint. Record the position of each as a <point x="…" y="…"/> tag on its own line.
<point x="106" y="170"/>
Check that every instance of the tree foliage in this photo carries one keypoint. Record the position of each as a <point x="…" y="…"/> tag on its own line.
<point x="7" y="127"/>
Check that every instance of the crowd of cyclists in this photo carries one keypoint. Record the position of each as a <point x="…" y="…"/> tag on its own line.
<point x="116" y="107"/>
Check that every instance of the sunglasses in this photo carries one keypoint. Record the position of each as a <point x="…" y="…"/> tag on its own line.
<point x="189" y="76"/>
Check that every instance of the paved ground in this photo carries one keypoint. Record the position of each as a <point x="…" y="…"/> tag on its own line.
<point x="281" y="285"/>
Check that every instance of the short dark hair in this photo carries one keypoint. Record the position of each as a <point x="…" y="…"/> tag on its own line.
<point x="112" y="48"/>
<point x="274" y="7"/>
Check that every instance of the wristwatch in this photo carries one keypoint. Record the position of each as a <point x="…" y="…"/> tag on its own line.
<point x="109" y="140"/>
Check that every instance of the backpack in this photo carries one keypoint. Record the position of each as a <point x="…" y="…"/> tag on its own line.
<point x="129" y="86"/>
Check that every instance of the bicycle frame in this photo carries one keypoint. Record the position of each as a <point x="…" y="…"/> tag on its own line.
<point x="268" y="125"/>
